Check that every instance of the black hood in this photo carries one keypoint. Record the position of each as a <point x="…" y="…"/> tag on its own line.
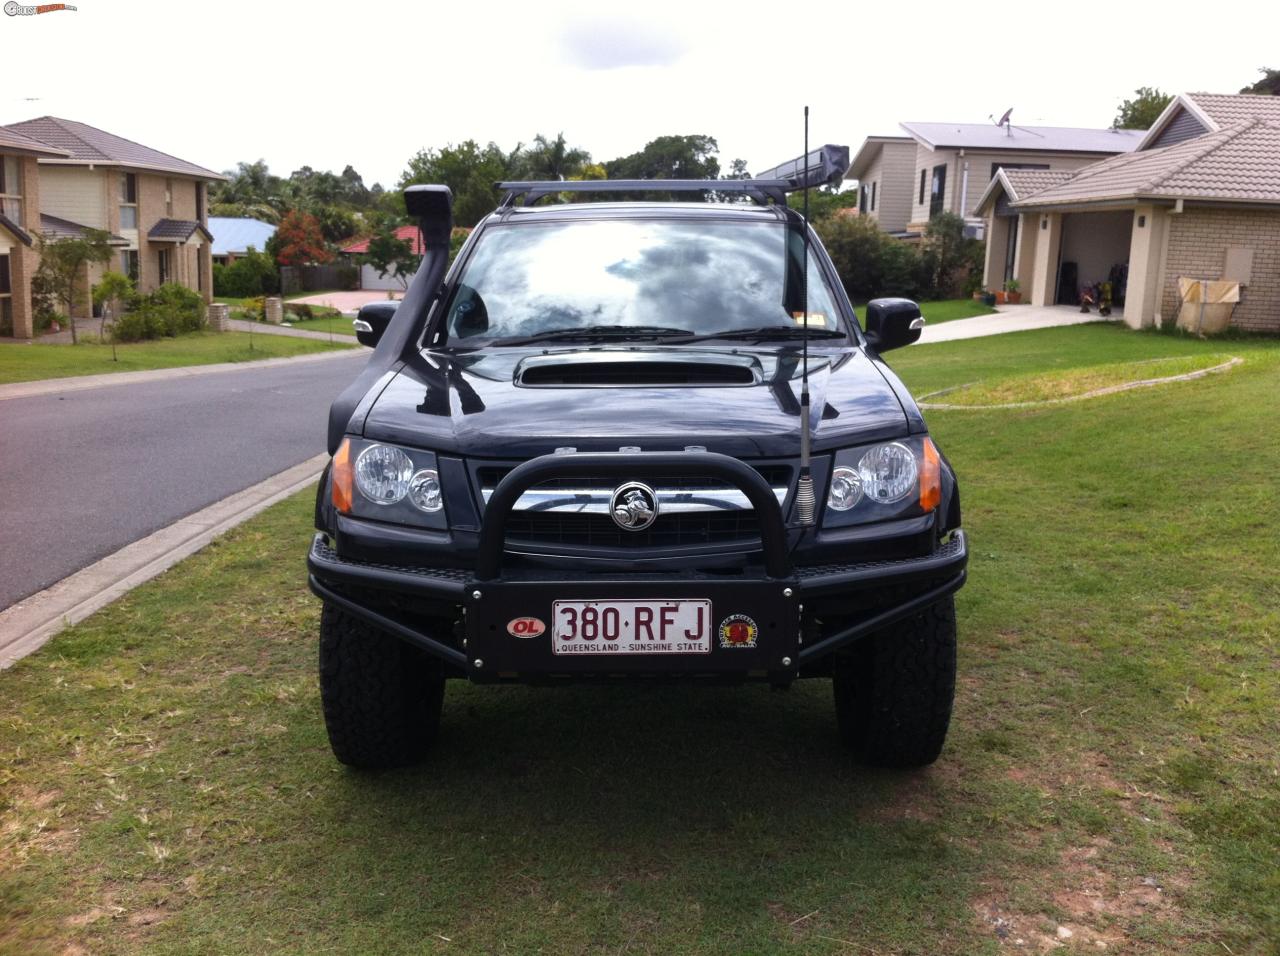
<point x="473" y="404"/>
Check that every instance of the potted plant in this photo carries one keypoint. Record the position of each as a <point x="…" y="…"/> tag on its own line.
<point x="1012" y="295"/>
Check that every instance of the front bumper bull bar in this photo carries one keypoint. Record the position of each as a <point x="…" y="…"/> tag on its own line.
<point x="924" y="580"/>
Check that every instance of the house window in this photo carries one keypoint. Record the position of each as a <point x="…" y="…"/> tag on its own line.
<point x="11" y="188"/>
<point x="129" y="263"/>
<point x="862" y="198"/>
<point x="128" y="201"/>
<point x="6" y="297"/>
<point x="873" y="197"/>
<point x="199" y="202"/>
<point x="162" y="258"/>
<point x="923" y="174"/>
<point x="937" y="190"/>
<point x="168" y="197"/>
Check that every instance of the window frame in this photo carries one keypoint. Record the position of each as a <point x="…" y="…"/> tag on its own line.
<point x="6" y="292"/>
<point x="11" y="199"/>
<point x="938" y="190"/>
<point x="128" y="197"/>
<point x="873" y="196"/>
<point x="924" y="176"/>
<point x="162" y="266"/>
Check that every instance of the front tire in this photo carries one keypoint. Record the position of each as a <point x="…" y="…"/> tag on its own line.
<point x="894" y="690"/>
<point x="382" y="697"/>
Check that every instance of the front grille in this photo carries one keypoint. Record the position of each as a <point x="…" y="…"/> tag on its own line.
<point x="599" y="531"/>
<point x="672" y="529"/>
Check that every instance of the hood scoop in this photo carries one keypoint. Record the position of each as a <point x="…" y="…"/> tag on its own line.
<point x="632" y="369"/>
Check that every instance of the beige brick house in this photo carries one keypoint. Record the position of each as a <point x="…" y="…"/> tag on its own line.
<point x="70" y="176"/>
<point x="1199" y="198"/>
<point x="904" y="181"/>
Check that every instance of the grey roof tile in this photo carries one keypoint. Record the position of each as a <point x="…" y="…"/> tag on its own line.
<point x="176" y="230"/>
<point x="53" y="227"/>
<point x="91" y="145"/>
<point x="1239" y="163"/>
<point x="16" y="139"/>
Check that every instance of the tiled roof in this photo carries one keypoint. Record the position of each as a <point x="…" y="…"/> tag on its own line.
<point x="1020" y="184"/>
<point x="1054" y="139"/>
<point x="1240" y="163"/>
<point x="51" y="227"/>
<point x="1027" y="182"/>
<point x="409" y="234"/>
<point x="234" y="235"/>
<point x="16" y="139"/>
<point x="1227" y="109"/>
<point x="89" y="144"/>
<point x="176" y="230"/>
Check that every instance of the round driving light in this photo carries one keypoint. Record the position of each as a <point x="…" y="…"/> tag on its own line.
<point x="888" y="472"/>
<point x="382" y="474"/>
<point x="424" y="491"/>
<point x="846" y="489"/>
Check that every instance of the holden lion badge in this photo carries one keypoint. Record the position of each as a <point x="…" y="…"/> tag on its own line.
<point x="738" y="630"/>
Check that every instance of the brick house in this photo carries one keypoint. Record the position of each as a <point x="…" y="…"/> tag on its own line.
<point x="1199" y="198"/>
<point x="904" y="181"/>
<point x="62" y="177"/>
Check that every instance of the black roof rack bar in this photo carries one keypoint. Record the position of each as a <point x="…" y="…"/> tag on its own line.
<point x="762" y="191"/>
<point x="824" y="166"/>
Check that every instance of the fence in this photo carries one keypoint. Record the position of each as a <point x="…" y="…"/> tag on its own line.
<point x="317" y="278"/>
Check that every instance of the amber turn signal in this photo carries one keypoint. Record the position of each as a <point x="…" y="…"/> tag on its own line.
<point x="342" y="478"/>
<point x="930" y="478"/>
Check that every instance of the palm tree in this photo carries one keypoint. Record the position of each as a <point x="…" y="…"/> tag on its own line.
<point x="553" y="159"/>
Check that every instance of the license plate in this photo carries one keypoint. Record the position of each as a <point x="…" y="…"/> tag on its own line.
<point x="631" y="627"/>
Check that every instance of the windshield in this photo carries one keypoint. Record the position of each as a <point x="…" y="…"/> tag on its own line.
<point x="656" y="277"/>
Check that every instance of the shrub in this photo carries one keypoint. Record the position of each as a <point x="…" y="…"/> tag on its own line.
<point x="252" y="274"/>
<point x="871" y="263"/>
<point x="168" y="311"/>
<point x="348" y="276"/>
<point x="300" y="309"/>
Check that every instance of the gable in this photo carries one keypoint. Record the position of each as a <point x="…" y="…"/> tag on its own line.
<point x="1182" y="127"/>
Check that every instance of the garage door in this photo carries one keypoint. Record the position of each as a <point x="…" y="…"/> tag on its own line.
<point x="369" y="279"/>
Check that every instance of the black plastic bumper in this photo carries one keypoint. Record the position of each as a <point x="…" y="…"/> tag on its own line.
<point x="777" y="595"/>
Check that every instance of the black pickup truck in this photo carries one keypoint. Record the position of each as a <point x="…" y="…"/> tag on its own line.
<point x="633" y="440"/>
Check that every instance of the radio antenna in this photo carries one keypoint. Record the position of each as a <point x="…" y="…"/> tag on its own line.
<point x="806" y="503"/>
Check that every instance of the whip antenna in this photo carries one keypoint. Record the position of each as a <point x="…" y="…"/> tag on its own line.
<point x="806" y="503"/>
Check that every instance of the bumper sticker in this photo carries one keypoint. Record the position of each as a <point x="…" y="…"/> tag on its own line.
<point x="738" y="630"/>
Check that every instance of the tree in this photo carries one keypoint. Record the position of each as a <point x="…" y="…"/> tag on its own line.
<point x="670" y="157"/>
<point x="112" y="289"/>
<point x="738" y="170"/>
<point x="1269" y="85"/>
<point x="299" y="240"/>
<point x="468" y="170"/>
<point x="390" y="254"/>
<point x="551" y="159"/>
<point x="64" y="266"/>
<point x="1143" y="110"/>
<point x="950" y="257"/>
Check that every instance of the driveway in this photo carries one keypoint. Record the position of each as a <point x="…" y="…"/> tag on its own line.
<point x="1013" y="318"/>
<point x="348" y="302"/>
<point x="97" y="469"/>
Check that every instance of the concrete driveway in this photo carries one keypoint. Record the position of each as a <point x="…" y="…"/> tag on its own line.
<point x="1012" y="318"/>
<point x="346" y="302"/>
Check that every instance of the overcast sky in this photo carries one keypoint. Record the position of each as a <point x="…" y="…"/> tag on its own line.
<point x="369" y="83"/>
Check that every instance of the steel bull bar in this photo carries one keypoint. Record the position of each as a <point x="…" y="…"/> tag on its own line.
<point x="942" y="574"/>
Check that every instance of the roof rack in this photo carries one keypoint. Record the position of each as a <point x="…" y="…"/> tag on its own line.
<point x="824" y="166"/>
<point x="763" y="191"/>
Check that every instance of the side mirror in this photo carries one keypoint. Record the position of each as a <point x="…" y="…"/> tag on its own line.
<point x="893" y="323"/>
<point x="373" y="320"/>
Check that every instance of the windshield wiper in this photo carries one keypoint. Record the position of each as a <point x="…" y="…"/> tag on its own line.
<point x="595" y="332"/>
<point x="765" y="332"/>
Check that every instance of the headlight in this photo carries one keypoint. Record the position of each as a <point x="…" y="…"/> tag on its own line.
<point x="846" y="489"/>
<point x="383" y="473"/>
<point x="898" y="479"/>
<point x="888" y="472"/>
<point x="424" y="491"/>
<point x="387" y="483"/>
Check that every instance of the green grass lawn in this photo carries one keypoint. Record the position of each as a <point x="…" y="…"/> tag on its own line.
<point x="334" y="322"/>
<point x="25" y="363"/>
<point x="166" y="786"/>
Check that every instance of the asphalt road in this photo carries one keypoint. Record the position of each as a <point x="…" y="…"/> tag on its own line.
<point x="84" y="473"/>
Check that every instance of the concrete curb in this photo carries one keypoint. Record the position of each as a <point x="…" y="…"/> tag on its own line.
<point x="27" y="625"/>
<point x="261" y="328"/>
<point x="77" y="383"/>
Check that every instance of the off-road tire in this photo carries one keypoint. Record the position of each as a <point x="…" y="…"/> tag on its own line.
<point x="894" y="690"/>
<point x="382" y="697"/>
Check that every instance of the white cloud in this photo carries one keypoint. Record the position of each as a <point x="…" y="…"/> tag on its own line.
<point x="611" y="44"/>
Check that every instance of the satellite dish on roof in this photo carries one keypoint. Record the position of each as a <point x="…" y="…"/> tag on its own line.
<point x="1004" y="120"/>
